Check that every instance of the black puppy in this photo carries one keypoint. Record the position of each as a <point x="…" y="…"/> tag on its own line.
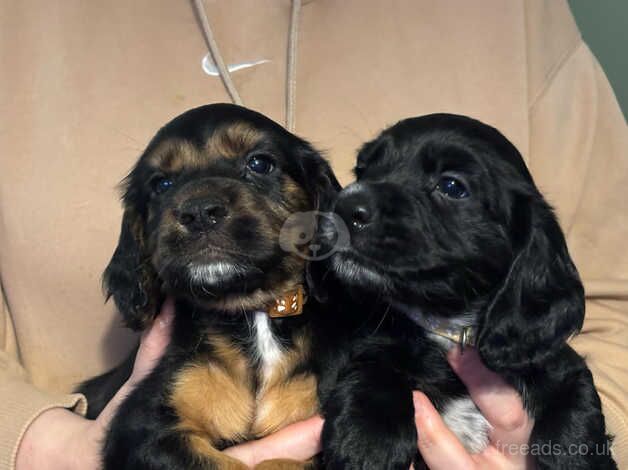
<point x="205" y="222"/>
<point x="449" y="232"/>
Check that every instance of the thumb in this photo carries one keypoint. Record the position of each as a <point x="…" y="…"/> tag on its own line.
<point x="297" y="441"/>
<point x="153" y="344"/>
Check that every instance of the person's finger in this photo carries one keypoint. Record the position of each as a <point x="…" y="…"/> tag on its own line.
<point x="154" y="342"/>
<point x="438" y="446"/>
<point x="499" y="402"/>
<point x="299" y="441"/>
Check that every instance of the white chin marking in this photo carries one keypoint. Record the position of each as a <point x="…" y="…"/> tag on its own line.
<point x="464" y="419"/>
<point x="354" y="272"/>
<point x="214" y="273"/>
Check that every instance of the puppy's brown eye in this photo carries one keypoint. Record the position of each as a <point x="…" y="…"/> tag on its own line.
<point x="161" y="184"/>
<point x="260" y="164"/>
<point x="452" y="188"/>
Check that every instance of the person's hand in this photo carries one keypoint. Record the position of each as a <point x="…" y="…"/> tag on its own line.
<point x="441" y="450"/>
<point x="60" y="439"/>
<point x="299" y="441"/>
<point x="500" y="404"/>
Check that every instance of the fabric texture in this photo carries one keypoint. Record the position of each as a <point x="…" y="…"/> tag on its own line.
<point x="85" y="85"/>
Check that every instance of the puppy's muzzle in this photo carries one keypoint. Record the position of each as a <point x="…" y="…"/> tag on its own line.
<point x="200" y="214"/>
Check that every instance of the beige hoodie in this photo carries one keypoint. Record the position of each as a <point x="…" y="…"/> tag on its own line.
<point x="85" y="84"/>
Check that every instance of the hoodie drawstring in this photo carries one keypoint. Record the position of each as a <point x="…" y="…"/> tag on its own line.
<point x="223" y="71"/>
<point x="225" y="75"/>
<point x="291" y="74"/>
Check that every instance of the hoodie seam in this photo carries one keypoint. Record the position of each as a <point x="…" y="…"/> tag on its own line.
<point x="551" y="75"/>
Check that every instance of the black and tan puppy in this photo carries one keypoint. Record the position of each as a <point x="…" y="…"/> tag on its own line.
<point x="204" y="208"/>
<point x="453" y="241"/>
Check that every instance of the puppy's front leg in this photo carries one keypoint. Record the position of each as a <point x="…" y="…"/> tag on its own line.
<point x="369" y="420"/>
<point x="146" y="434"/>
<point x="143" y="442"/>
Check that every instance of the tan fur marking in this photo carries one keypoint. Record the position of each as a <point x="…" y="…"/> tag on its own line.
<point x="285" y="403"/>
<point x="214" y="399"/>
<point x="233" y="140"/>
<point x="231" y="358"/>
<point x="295" y="196"/>
<point x="172" y="155"/>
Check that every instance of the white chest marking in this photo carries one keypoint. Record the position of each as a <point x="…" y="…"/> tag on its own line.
<point x="268" y="349"/>
<point x="464" y="419"/>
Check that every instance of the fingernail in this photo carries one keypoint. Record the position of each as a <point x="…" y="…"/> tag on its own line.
<point x="165" y="320"/>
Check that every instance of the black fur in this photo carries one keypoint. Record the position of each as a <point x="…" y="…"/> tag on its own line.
<point x="158" y="248"/>
<point x="494" y="251"/>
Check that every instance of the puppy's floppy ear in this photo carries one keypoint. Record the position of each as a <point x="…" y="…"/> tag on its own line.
<point x="541" y="302"/>
<point x="320" y="181"/>
<point x="322" y="187"/>
<point x="130" y="278"/>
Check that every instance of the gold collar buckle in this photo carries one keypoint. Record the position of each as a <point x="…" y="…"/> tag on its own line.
<point x="466" y="337"/>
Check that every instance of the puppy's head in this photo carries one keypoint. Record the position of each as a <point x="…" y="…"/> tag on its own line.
<point x="204" y="207"/>
<point x="445" y="217"/>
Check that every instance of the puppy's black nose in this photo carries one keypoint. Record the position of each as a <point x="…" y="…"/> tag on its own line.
<point x="199" y="215"/>
<point x="355" y="207"/>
